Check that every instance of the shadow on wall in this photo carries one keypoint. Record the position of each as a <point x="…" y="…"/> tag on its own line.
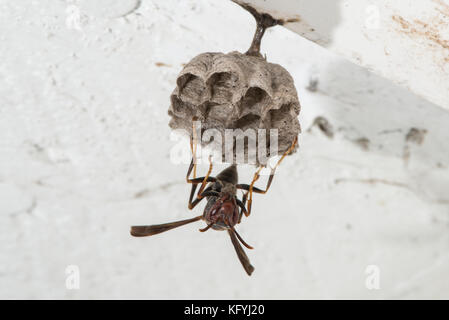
<point x="387" y="119"/>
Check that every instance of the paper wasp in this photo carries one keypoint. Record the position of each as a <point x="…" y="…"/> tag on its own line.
<point x="224" y="210"/>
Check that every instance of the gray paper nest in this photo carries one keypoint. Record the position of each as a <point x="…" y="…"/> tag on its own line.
<point x="236" y="91"/>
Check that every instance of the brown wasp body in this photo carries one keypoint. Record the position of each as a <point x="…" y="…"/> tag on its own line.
<point x="223" y="209"/>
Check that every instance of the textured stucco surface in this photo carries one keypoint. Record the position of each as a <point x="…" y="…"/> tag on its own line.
<point x="85" y="153"/>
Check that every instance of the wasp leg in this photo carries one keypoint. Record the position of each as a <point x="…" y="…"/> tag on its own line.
<point x="193" y="203"/>
<point x="201" y="194"/>
<point x="193" y="146"/>
<point x="192" y="167"/>
<point x="197" y="180"/>
<point x="242" y="204"/>
<point x="250" y="188"/>
<point x="193" y="163"/>
<point x="206" y="179"/>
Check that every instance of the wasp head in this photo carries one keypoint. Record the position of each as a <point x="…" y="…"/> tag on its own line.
<point x="222" y="212"/>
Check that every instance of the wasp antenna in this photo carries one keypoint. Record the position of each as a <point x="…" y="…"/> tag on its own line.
<point x="241" y="253"/>
<point x="207" y="227"/>
<point x="144" y="231"/>
<point x="241" y="240"/>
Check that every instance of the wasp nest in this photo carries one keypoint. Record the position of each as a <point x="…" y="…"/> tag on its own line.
<point x="238" y="91"/>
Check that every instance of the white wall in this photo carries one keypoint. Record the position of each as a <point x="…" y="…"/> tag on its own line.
<point x="84" y="154"/>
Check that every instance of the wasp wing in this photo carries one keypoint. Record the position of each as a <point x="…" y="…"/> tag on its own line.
<point x="144" y="231"/>
<point x="241" y="253"/>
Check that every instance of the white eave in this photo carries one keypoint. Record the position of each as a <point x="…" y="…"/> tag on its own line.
<point x="406" y="41"/>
